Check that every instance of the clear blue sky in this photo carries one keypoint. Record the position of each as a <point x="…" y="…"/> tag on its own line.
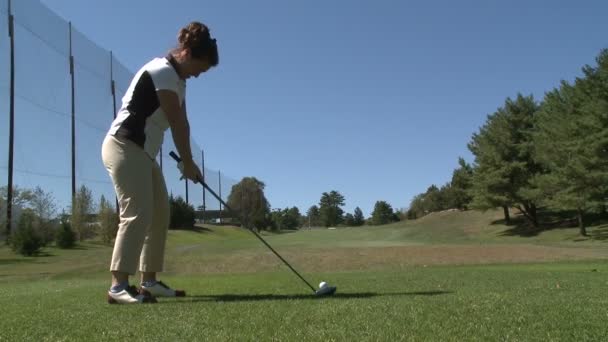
<point x="374" y="99"/>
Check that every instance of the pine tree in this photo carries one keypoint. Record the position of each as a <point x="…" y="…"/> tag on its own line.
<point x="330" y="208"/>
<point x="358" y="218"/>
<point x="383" y="213"/>
<point x="505" y="168"/>
<point x="572" y="143"/>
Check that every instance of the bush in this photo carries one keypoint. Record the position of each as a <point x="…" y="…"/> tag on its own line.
<point x="2" y="229"/>
<point x="182" y="214"/>
<point x="65" y="237"/>
<point x="82" y="207"/>
<point x="25" y="240"/>
<point x="108" y="221"/>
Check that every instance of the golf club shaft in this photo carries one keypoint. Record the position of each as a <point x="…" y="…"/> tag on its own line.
<point x="178" y="159"/>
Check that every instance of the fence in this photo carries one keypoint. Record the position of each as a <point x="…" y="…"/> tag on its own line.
<point x="65" y="93"/>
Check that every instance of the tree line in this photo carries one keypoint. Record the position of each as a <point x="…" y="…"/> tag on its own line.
<point x="536" y="156"/>
<point x="248" y="199"/>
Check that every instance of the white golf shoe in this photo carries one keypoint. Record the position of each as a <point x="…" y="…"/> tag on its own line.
<point x="160" y="289"/>
<point x="130" y="295"/>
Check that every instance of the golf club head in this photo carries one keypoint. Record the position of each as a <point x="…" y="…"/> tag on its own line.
<point x="326" y="291"/>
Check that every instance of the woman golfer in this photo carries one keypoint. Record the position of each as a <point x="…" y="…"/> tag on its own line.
<point x="154" y="102"/>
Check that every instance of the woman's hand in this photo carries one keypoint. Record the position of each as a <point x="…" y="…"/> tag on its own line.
<point x="190" y="170"/>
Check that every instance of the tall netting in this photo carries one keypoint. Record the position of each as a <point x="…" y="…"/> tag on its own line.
<point x="42" y="101"/>
<point x="62" y="77"/>
<point x="122" y="78"/>
<point x="94" y="114"/>
<point x="4" y="105"/>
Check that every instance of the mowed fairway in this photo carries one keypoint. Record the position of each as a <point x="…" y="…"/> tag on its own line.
<point x="448" y="277"/>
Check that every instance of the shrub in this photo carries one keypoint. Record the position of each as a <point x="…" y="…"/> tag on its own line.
<point x="82" y="207"/>
<point x="182" y="214"/>
<point x="65" y="237"/>
<point x="108" y="221"/>
<point x="25" y="240"/>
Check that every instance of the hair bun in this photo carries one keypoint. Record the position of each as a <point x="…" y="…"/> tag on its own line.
<point x="192" y="35"/>
<point x="196" y="38"/>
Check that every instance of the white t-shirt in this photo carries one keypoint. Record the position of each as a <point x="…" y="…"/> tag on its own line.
<point x="141" y="119"/>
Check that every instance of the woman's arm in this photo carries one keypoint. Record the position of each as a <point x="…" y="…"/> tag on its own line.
<point x="180" y="129"/>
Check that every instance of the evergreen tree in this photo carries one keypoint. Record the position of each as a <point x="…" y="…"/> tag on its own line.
<point x="505" y="167"/>
<point x="383" y="213"/>
<point x="330" y="208"/>
<point x="358" y="218"/>
<point x="572" y="143"/>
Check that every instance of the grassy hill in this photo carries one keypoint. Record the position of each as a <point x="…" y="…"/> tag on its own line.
<point x="469" y="237"/>
<point x="450" y="276"/>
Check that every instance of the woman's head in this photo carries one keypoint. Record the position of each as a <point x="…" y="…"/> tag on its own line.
<point x="196" y="51"/>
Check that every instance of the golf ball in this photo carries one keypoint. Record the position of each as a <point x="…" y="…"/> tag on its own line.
<point x="322" y="284"/>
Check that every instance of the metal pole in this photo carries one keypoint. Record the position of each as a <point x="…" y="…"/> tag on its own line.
<point x="243" y="205"/>
<point x="161" y="158"/>
<point x="204" y="201"/>
<point x="73" y="122"/>
<point x="11" y="137"/>
<point x="113" y="90"/>
<point x="112" y="85"/>
<point x="219" y="179"/>
<point x="186" y="182"/>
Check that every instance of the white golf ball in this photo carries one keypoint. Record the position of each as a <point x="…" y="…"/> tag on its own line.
<point x="322" y="285"/>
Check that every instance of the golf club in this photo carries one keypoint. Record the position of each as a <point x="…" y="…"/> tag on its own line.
<point x="324" y="288"/>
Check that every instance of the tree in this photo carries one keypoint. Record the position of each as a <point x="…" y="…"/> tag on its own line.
<point x="40" y="203"/>
<point x="26" y="240"/>
<point x="383" y="213"/>
<point x="416" y="209"/>
<point x="82" y="206"/>
<point x="505" y="167"/>
<point x="20" y="198"/>
<point x="433" y="199"/>
<point x="572" y="143"/>
<point x="65" y="237"/>
<point x="292" y="218"/>
<point x="288" y="218"/>
<point x="349" y="220"/>
<point x="358" y="218"/>
<point x="461" y="183"/>
<point x="248" y="199"/>
<point x="43" y="206"/>
<point x="313" y="216"/>
<point x="330" y="208"/>
<point x="276" y="219"/>
<point x="108" y="221"/>
<point x="182" y="213"/>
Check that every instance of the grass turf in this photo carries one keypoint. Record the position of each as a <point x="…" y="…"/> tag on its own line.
<point x="61" y="295"/>
<point x="550" y="301"/>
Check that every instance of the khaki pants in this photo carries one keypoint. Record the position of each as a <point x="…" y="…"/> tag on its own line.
<point x="144" y="207"/>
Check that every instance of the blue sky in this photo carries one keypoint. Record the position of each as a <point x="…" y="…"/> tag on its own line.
<point x="374" y="99"/>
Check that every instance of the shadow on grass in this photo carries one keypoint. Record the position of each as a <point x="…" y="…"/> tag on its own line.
<point x="198" y="229"/>
<point x="599" y="233"/>
<point x="84" y="248"/>
<point x="273" y="297"/>
<point x="17" y="261"/>
<point x="36" y="258"/>
<point x="548" y="221"/>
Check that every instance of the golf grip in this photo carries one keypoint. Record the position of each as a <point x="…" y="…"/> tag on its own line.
<point x="178" y="159"/>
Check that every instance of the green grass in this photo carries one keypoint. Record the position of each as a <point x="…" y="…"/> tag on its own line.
<point x="238" y="291"/>
<point x="561" y="302"/>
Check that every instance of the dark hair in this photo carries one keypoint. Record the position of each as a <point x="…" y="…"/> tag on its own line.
<point x="196" y="37"/>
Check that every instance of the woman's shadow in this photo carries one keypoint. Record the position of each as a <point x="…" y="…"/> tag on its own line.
<point x="274" y="297"/>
